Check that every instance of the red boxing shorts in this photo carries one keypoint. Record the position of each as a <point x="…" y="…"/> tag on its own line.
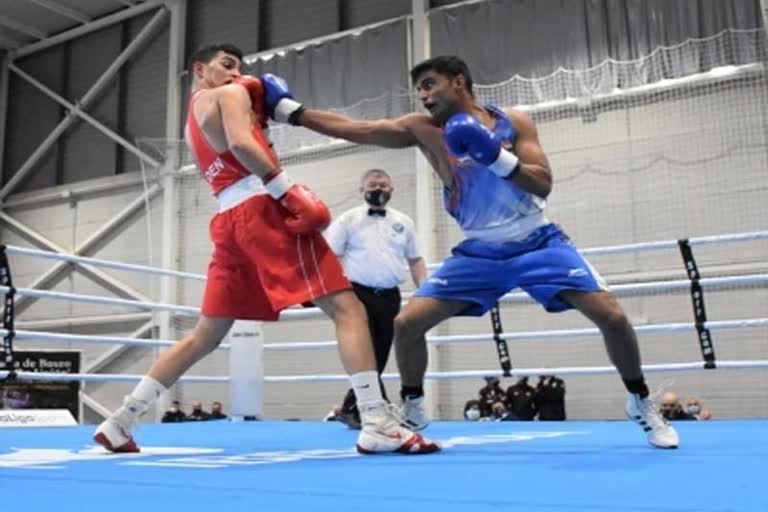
<point x="259" y="268"/>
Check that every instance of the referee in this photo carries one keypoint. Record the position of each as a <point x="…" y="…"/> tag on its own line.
<point x="375" y="245"/>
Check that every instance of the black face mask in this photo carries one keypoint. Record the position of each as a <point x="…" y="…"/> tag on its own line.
<point x="377" y="197"/>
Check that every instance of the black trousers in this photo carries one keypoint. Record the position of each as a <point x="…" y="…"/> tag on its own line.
<point x="382" y="306"/>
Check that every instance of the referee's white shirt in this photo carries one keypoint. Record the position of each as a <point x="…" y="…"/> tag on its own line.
<point x="374" y="250"/>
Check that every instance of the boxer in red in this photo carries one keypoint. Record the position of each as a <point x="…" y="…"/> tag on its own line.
<point x="268" y="255"/>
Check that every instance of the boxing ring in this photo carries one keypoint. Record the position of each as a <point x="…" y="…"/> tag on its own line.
<point x="312" y="465"/>
<point x="549" y="467"/>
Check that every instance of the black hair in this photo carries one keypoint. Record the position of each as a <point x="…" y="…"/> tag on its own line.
<point x="470" y="404"/>
<point x="448" y="65"/>
<point x="206" y="53"/>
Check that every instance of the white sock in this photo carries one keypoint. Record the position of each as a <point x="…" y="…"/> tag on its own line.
<point x="366" y="386"/>
<point x="143" y="395"/>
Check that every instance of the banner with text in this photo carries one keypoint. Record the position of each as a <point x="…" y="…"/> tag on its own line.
<point x="34" y="394"/>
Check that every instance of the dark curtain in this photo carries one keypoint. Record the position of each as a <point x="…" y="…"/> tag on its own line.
<point x="346" y="70"/>
<point x="533" y="38"/>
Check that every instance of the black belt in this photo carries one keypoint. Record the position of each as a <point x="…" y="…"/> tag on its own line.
<point x="375" y="290"/>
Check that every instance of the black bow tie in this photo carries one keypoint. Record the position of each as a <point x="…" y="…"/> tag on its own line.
<point x="375" y="211"/>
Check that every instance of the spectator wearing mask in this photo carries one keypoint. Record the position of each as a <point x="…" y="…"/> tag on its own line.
<point x="693" y="407"/>
<point x="521" y="400"/>
<point x="472" y="410"/>
<point x="672" y="409"/>
<point x="376" y="244"/>
<point x="198" y="414"/>
<point x="490" y="394"/>
<point x="174" y="414"/>
<point x="216" y="411"/>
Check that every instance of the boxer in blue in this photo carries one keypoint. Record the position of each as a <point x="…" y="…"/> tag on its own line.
<point x="496" y="179"/>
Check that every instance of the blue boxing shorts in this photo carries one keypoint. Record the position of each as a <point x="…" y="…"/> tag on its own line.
<point x="543" y="264"/>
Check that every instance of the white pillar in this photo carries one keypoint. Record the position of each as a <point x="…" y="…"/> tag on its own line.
<point x="425" y="182"/>
<point x="764" y="9"/>
<point x="246" y="370"/>
<point x="176" y="41"/>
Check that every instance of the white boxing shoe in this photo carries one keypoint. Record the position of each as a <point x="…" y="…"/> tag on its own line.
<point x="114" y="433"/>
<point x="414" y="412"/>
<point x="657" y="430"/>
<point x="383" y="432"/>
<point x="115" y="437"/>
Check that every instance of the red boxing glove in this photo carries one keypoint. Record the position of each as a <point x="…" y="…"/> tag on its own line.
<point x="256" y="91"/>
<point x="308" y="213"/>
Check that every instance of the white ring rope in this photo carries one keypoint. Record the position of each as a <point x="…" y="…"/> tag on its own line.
<point x="710" y="283"/>
<point x="664" y="244"/>
<point x="96" y="262"/>
<point x="93" y="299"/>
<point x="469" y="374"/>
<point x="622" y="290"/>
<point x="21" y="335"/>
<point x="673" y="244"/>
<point x="555" y="335"/>
<point x="108" y="377"/>
<point x="680" y="285"/>
<point x="594" y="251"/>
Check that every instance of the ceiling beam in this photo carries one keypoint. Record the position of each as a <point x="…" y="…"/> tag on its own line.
<point x="22" y="28"/>
<point x="85" y="116"/>
<point x="62" y="10"/>
<point x="11" y="39"/>
<point x="95" y="90"/>
<point x="98" y="24"/>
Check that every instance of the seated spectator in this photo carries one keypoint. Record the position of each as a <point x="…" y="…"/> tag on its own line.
<point x="521" y="400"/>
<point x="174" y="414"/>
<point x="472" y="410"/>
<point x="550" y="398"/>
<point x="693" y="407"/>
<point x="216" y="411"/>
<point x="198" y="414"/>
<point x="499" y="412"/>
<point x="672" y="409"/>
<point x="489" y="394"/>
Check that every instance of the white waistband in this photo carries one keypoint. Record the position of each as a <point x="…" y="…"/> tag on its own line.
<point x="239" y="191"/>
<point x="515" y="231"/>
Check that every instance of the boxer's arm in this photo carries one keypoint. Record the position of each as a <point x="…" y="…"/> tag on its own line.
<point x="389" y="133"/>
<point x="534" y="175"/>
<point x="235" y="107"/>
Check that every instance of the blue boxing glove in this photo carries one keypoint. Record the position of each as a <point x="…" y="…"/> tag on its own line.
<point x="279" y="100"/>
<point x="465" y="135"/>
